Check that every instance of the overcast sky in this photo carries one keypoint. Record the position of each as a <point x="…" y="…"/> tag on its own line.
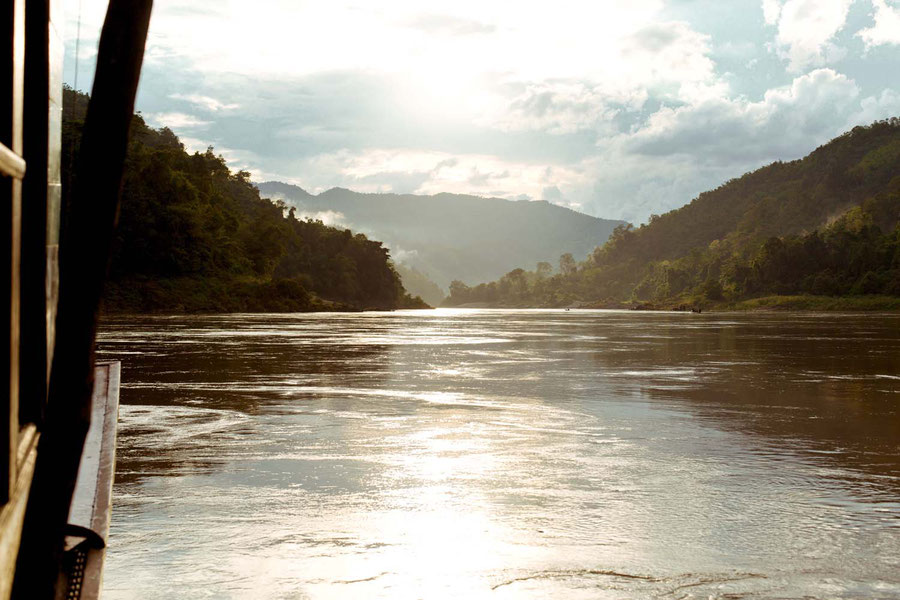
<point x="616" y="109"/>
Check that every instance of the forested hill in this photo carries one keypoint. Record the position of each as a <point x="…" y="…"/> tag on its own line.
<point x="452" y="236"/>
<point x="194" y="236"/>
<point x="826" y="225"/>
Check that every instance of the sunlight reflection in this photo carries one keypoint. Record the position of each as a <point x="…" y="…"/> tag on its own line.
<point x="336" y="469"/>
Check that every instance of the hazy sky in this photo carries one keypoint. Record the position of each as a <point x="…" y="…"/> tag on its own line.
<point x="619" y="109"/>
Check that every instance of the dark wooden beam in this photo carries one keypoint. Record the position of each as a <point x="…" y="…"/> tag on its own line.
<point x="33" y="368"/>
<point x="84" y="261"/>
<point x="12" y="24"/>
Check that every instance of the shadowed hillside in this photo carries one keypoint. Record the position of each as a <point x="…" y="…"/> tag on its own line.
<point x="194" y="236"/>
<point x="826" y="225"/>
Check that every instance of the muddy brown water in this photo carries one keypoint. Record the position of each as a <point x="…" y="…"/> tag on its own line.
<point x="506" y="454"/>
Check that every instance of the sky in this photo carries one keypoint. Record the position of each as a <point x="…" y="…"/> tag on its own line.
<point x="619" y="110"/>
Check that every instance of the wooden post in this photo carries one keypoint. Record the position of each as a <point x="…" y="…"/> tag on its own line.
<point x="84" y="261"/>
<point x="41" y="191"/>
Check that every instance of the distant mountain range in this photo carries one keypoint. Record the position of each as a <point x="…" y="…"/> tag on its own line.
<point x="450" y="237"/>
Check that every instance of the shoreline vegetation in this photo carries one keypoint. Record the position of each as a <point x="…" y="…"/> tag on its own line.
<point x="196" y="237"/>
<point x="820" y="233"/>
<point x="817" y="234"/>
<point x="797" y="303"/>
<point x="454" y="236"/>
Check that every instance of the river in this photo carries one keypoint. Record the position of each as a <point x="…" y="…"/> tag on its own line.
<point x="506" y="454"/>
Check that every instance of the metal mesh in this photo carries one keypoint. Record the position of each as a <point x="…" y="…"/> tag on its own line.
<point x="77" y="560"/>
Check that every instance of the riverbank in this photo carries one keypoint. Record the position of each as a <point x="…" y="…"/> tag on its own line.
<point x="816" y="303"/>
<point x="186" y="295"/>
<point x="866" y="303"/>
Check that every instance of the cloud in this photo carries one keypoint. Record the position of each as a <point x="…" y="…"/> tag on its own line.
<point x="629" y="186"/>
<point x="285" y="38"/>
<point x="428" y="172"/>
<point x="622" y="109"/>
<point x="666" y="61"/>
<point x="771" y="11"/>
<point x="806" y="29"/>
<point x="788" y="121"/>
<point x="887" y="26"/>
<point x="328" y="217"/>
<point x="395" y="182"/>
<point x="238" y="159"/>
<point x="477" y="179"/>
<point x="551" y="193"/>
<point x="679" y="152"/>
<point x="674" y="59"/>
<point x="402" y="255"/>
<point x="559" y="108"/>
<point x="176" y="120"/>
<point x="875" y="108"/>
<point x="210" y="104"/>
<point x="449" y="25"/>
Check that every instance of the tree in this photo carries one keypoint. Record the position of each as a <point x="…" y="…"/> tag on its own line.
<point x="195" y="236"/>
<point x="518" y="285"/>
<point x="567" y="264"/>
<point x="459" y="292"/>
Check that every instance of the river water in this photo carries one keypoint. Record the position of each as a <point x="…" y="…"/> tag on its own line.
<point x="506" y="454"/>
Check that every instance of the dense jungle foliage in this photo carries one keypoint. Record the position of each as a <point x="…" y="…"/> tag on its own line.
<point x="194" y="236"/>
<point x="826" y="225"/>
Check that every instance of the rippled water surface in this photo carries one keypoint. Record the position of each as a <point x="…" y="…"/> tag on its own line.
<point x="506" y="454"/>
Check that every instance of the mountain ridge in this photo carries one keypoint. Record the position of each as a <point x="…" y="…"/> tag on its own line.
<point x="455" y="236"/>
<point x="824" y="225"/>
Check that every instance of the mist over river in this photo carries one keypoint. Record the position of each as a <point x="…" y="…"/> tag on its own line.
<point x="506" y="454"/>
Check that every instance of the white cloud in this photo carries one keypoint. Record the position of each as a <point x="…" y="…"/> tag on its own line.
<point x="680" y="152"/>
<point x="210" y="104"/>
<point x="887" y="26"/>
<point x="290" y="38"/>
<point x="402" y="255"/>
<point x="449" y="25"/>
<point x="628" y="186"/>
<point x="176" y="120"/>
<point x="875" y="108"/>
<point x="393" y="170"/>
<point x="668" y="59"/>
<point x="328" y="217"/>
<point x="771" y="11"/>
<point x="663" y="162"/>
<point x="192" y="144"/>
<point x="788" y="121"/>
<point x="237" y="159"/>
<point x="806" y="29"/>
<point x="558" y="108"/>
<point x="620" y="108"/>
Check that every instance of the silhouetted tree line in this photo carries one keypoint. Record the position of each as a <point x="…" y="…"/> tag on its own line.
<point x="194" y="236"/>
<point x="825" y="225"/>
